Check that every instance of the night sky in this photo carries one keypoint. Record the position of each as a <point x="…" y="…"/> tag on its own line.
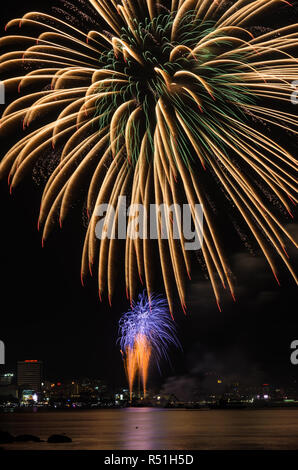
<point x="47" y="315"/>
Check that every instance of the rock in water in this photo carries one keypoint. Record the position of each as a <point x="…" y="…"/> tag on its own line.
<point x="6" y="437"/>
<point x="27" y="438"/>
<point x="59" y="438"/>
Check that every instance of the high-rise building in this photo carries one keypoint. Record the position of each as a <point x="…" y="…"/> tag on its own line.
<point x="29" y="374"/>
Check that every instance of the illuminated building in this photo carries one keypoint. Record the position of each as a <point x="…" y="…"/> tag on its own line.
<point x="29" y="374"/>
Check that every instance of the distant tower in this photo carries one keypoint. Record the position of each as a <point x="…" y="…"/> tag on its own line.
<point x="29" y="373"/>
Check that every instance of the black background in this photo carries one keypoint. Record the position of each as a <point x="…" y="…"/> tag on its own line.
<point x="47" y="315"/>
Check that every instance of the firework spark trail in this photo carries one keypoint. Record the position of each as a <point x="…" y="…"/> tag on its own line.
<point x="145" y="332"/>
<point x="148" y="106"/>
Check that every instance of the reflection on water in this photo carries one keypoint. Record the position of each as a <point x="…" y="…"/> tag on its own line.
<point x="152" y="428"/>
<point x="141" y="425"/>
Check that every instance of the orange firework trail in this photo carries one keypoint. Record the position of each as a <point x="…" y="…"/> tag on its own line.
<point x="136" y="362"/>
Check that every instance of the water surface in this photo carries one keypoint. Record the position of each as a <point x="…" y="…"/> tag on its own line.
<point x="159" y="429"/>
